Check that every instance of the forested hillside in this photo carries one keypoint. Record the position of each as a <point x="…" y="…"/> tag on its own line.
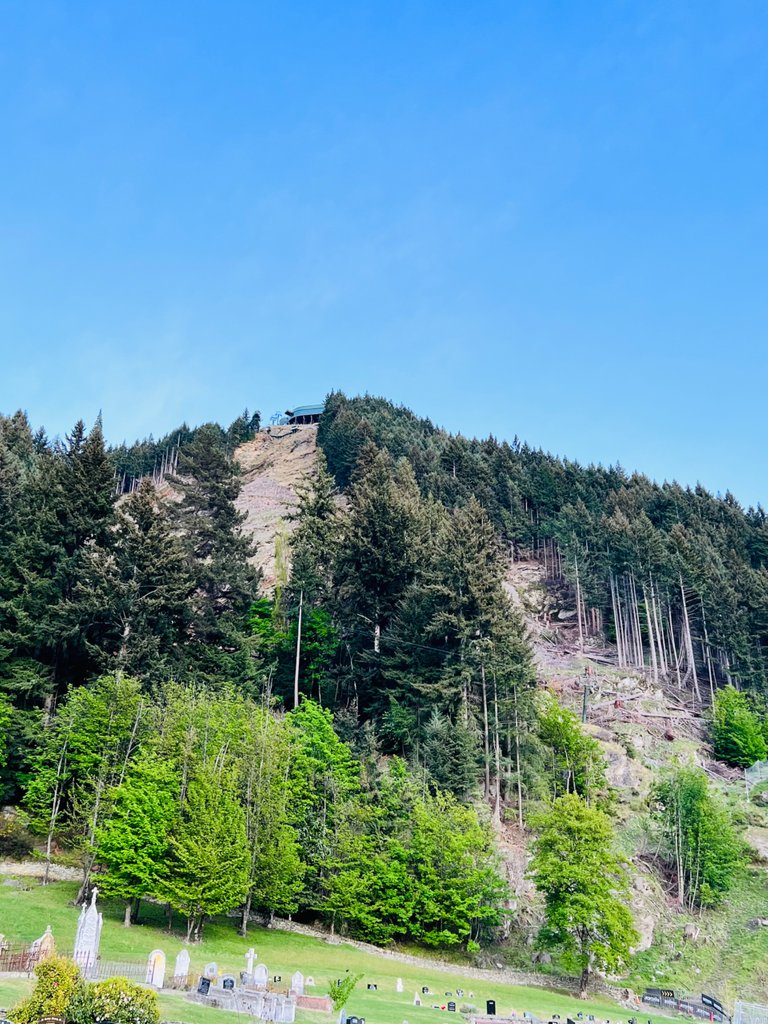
<point x="361" y="735"/>
<point x="676" y="577"/>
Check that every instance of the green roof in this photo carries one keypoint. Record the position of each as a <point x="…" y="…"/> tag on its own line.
<point x="306" y="410"/>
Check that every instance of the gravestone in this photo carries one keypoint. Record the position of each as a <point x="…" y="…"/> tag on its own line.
<point x="260" y="976"/>
<point x="88" y="936"/>
<point x="204" y="986"/>
<point x="452" y="1007"/>
<point x="228" y="982"/>
<point x="399" y="985"/>
<point x="250" y="956"/>
<point x="181" y="967"/>
<point x="297" y="983"/>
<point x="417" y="1000"/>
<point x="309" y="981"/>
<point x="44" y="946"/>
<point x="156" y="968"/>
<point x="210" y="970"/>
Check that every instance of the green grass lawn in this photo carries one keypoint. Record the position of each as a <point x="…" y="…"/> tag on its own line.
<point x="25" y="914"/>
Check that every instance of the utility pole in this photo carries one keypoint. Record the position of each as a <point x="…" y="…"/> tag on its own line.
<point x="298" y="654"/>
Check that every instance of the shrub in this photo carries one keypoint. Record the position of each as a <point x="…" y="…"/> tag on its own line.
<point x="736" y="729"/>
<point x="58" y="985"/>
<point x="15" y="842"/>
<point x="123" y="1002"/>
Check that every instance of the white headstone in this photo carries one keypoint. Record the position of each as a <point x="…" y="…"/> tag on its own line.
<point x="250" y="956"/>
<point x="88" y="936"/>
<point x="181" y="967"/>
<point x="399" y="985"/>
<point x="210" y="970"/>
<point x="297" y="983"/>
<point x="156" y="968"/>
<point x="309" y="981"/>
<point x="260" y="976"/>
<point x="417" y="1000"/>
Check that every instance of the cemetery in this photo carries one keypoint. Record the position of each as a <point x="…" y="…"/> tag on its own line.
<point x="271" y="975"/>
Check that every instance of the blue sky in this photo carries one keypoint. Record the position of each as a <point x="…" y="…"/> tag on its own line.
<point x="543" y="219"/>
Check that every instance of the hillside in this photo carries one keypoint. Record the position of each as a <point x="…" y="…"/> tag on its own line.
<point x="424" y="692"/>
<point x="643" y="727"/>
<point x="272" y="463"/>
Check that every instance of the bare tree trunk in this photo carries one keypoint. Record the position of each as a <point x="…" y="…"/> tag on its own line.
<point x="578" y="605"/>
<point x="517" y="764"/>
<point x="651" y="643"/>
<point x="486" y="743"/>
<point x="496" y="752"/>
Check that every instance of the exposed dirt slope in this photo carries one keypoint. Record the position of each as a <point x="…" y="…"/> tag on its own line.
<point x="273" y="463"/>
<point x="644" y="728"/>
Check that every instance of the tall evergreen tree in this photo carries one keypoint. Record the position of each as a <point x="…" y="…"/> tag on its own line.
<point x="218" y="557"/>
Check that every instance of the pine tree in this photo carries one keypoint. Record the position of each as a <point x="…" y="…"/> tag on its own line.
<point x="217" y="551"/>
<point x="131" y="602"/>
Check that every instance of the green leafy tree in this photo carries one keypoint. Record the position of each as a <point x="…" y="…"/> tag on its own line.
<point x="206" y="871"/>
<point x="459" y="890"/>
<point x="699" y="838"/>
<point x="585" y="888"/>
<point x="323" y="775"/>
<point x="84" y="754"/>
<point x="133" y="841"/>
<point x="341" y="989"/>
<point x="276" y="873"/>
<point x="736" y="729"/>
<point x="576" y="762"/>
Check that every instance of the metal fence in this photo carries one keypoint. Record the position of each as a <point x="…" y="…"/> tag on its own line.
<point x="756" y="774"/>
<point x="750" y="1013"/>
<point x="17" y="958"/>
<point x="20" y="959"/>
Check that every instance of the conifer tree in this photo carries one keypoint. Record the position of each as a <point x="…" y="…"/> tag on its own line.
<point x="218" y="552"/>
<point x="131" y="602"/>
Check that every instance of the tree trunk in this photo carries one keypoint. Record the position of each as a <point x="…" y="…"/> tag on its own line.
<point x="128" y="914"/>
<point x="486" y="742"/>
<point x="584" y="982"/>
<point x="243" y="931"/>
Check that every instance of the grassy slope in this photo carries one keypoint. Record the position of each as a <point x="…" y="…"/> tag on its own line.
<point x="25" y="914"/>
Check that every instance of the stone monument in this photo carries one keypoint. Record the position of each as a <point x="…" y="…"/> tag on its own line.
<point x="88" y="937"/>
<point x="156" y="968"/>
<point x="297" y="983"/>
<point x="42" y="947"/>
<point x="181" y="967"/>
